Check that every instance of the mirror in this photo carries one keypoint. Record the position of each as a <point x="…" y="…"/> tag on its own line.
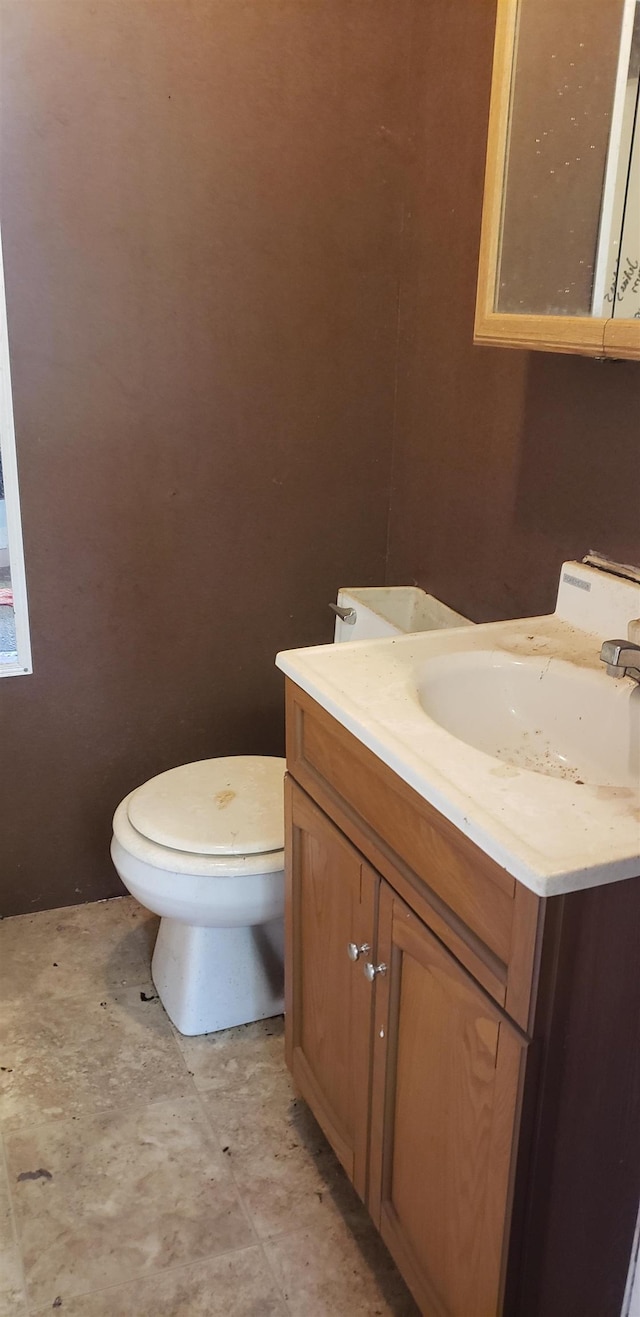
<point x="560" y="255"/>
<point x="15" y="647"/>
<point x="617" y="271"/>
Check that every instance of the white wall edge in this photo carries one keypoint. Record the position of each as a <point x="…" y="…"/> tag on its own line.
<point x="631" y="1302"/>
<point x="12" y="499"/>
<point x="601" y="273"/>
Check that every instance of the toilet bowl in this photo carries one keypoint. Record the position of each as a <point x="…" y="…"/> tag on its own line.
<point x="202" y="846"/>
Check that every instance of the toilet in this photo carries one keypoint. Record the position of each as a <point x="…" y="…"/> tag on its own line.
<point x="202" y="846"/>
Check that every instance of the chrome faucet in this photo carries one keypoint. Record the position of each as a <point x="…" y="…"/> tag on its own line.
<point x="622" y="658"/>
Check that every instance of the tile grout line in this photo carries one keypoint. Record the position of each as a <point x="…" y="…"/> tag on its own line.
<point x="248" y="1214"/>
<point x="216" y="1136"/>
<point x="271" y="1269"/>
<point x="147" y="1275"/>
<point x="272" y="1273"/>
<point x="259" y="1241"/>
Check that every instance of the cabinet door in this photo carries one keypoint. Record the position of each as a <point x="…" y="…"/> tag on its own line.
<point x="330" y="908"/>
<point x="446" y="1081"/>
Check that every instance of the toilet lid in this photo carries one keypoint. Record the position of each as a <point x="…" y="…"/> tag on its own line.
<point x="230" y="806"/>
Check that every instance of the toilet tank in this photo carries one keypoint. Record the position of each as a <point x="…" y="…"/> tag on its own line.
<point x="392" y="610"/>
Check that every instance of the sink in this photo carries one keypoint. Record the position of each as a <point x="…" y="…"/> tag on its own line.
<point x="544" y="715"/>
<point x="512" y="730"/>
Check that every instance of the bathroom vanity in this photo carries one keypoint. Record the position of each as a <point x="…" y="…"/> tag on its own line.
<point x="467" y="1036"/>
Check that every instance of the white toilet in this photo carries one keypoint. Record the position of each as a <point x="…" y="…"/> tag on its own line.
<point x="202" y="846"/>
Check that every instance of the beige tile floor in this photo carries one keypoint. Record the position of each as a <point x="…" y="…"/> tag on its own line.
<point x="147" y="1175"/>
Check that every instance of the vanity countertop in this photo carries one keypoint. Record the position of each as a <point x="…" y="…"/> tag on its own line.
<point x="554" y="833"/>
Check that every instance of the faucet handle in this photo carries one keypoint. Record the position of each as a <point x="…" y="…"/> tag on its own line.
<point x="611" y="651"/>
<point x="622" y="658"/>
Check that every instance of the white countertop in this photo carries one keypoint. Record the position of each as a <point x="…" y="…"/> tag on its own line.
<point x="551" y="834"/>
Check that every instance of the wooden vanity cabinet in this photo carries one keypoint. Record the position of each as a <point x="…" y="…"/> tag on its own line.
<point x="479" y="1082"/>
<point x="414" y="1076"/>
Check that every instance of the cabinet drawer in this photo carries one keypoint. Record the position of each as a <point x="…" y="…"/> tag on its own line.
<point x="480" y="902"/>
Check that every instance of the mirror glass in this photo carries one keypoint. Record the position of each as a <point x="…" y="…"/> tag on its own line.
<point x="570" y="232"/>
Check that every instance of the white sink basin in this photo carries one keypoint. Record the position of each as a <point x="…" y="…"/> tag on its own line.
<point x="540" y="714"/>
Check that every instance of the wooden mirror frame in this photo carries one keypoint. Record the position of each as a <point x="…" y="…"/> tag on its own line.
<point x="588" y="335"/>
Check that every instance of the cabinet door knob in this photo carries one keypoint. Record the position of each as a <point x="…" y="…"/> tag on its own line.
<point x="370" y="971"/>
<point x="354" y="951"/>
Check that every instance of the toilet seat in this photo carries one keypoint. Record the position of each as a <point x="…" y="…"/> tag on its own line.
<point x="228" y="806"/>
<point x="174" y="822"/>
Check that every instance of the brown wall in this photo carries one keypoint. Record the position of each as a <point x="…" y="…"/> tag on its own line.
<point x="505" y="463"/>
<point x="201" y="206"/>
<point x="202" y="210"/>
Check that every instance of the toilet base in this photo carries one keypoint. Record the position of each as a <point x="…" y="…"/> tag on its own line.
<point x="214" y="978"/>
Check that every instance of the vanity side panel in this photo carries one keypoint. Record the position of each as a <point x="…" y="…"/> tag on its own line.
<point x="578" y="1182"/>
<point x="527" y="931"/>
